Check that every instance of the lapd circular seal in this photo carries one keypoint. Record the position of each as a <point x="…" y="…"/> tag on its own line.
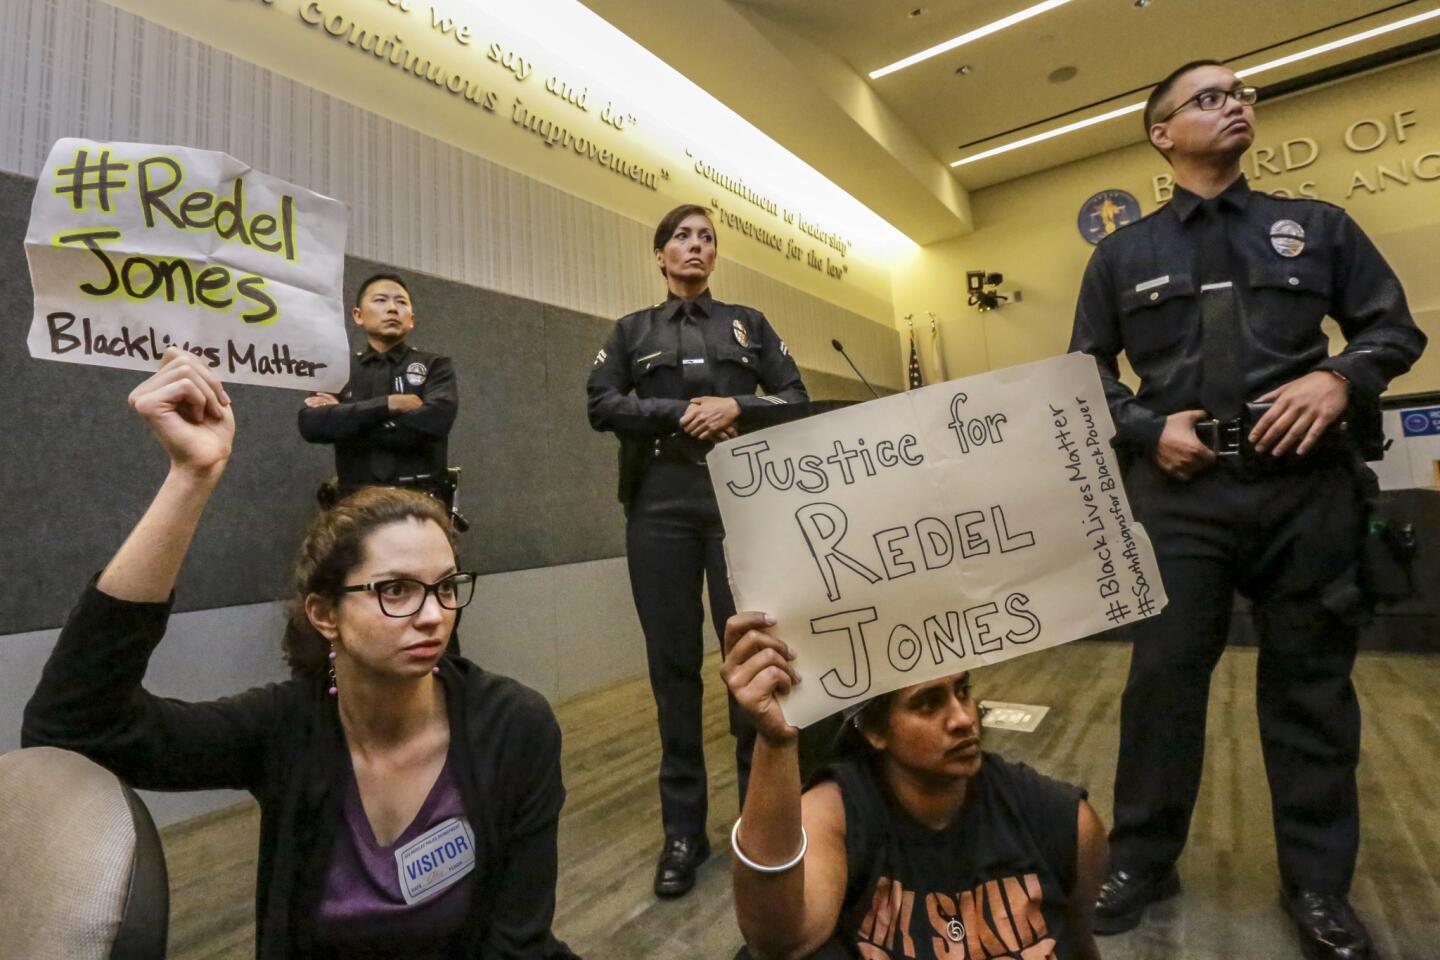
<point x="416" y="373"/>
<point x="1287" y="238"/>
<point x="1106" y="212"/>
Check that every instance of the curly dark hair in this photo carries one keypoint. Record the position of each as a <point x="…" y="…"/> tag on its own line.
<point x="333" y="546"/>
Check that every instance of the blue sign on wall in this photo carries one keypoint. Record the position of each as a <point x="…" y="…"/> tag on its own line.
<point x="1105" y="213"/>
<point x="1422" y="422"/>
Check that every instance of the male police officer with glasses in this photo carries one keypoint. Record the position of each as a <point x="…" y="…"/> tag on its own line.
<point x="1245" y="480"/>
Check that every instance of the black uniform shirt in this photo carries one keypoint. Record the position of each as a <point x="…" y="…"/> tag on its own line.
<point x="638" y="387"/>
<point x="1298" y="261"/>
<point x="373" y="445"/>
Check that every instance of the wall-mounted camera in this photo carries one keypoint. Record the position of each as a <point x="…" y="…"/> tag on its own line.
<point x="982" y="286"/>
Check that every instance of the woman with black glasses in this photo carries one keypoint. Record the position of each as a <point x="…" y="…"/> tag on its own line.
<point x="409" y="800"/>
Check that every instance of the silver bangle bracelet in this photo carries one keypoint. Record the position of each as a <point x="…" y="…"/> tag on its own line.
<point x="760" y="867"/>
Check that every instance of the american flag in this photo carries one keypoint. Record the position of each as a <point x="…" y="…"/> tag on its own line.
<point x="916" y="379"/>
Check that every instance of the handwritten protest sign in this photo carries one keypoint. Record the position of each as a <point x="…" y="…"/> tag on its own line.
<point x="134" y="248"/>
<point x="934" y="531"/>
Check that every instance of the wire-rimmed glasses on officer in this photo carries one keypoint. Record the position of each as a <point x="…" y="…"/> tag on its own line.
<point x="1214" y="99"/>
<point x="403" y="596"/>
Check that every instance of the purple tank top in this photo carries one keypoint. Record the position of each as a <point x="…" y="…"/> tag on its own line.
<point x="409" y="899"/>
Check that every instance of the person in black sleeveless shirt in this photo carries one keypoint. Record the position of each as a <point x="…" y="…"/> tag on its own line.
<point x="920" y="846"/>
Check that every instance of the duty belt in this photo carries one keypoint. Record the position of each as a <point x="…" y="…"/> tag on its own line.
<point x="682" y="449"/>
<point x="1227" y="438"/>
<point x="1231" y="438"/>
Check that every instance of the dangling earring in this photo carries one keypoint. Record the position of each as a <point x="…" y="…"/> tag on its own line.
<point x="435" y="669"/>
<point x="333" y="688"/>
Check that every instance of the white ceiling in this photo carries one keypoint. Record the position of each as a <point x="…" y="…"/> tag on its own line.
<point x="1118" y="51"/>
<point x="1114" y="46"/>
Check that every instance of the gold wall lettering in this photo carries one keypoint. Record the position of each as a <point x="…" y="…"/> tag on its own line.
<point x="450" y="26"/>
<point x="1361" y="136"/>
<point x="784" y="246"/>
<point x="736" y="186"/>
<point x="510" y="60"/>
<point x="553" y="134"/>
<point x="832" y="240"/>
<point x="390" y="48"/>
<point x="788" y="247"/>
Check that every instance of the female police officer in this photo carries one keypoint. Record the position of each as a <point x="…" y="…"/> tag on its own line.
<point x="673" y="379"/>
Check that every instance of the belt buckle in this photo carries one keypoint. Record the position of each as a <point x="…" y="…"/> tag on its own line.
<point x="1226" y="437"/>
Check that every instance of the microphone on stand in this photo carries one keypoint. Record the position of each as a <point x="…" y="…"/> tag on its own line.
<point x="840" y="349"/>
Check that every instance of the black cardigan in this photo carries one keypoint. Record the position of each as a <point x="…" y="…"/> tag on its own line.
<point x="283" y="743"/>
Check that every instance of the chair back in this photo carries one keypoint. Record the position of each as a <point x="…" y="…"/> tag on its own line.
<point x="84" y="875"/>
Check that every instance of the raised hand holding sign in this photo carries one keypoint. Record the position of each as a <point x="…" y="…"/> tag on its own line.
<point x="930" y="532"/>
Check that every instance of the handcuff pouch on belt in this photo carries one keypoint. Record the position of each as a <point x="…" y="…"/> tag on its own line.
<point x="1388" y="550"/>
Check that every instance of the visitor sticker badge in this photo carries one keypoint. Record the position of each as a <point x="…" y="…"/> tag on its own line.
<point x="436" y="860"/>
<point x="1287" y="238"/>
<point x="416" y="373"/>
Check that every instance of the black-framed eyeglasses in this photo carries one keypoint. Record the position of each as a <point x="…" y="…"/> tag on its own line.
<point x="1214" y="99"/>
<point x="403" y="597"/>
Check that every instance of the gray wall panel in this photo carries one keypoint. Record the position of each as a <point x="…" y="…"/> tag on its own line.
<point x="79" y="469"/>
<point x="538" y="485"/>
<point x="205" y="654"/>
<point x="578" y="481"/>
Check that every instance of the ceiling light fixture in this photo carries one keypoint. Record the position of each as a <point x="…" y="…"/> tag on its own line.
<point x="1247" y="72"/>
<point x="964" y="38"/>
<point x="963" y="69"/>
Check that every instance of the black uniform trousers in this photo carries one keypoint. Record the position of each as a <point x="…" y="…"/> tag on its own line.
<point x="675" y="541"/>
<point x="1284" y="537"/>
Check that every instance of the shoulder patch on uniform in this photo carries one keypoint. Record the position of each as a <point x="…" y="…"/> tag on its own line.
<point x="599" y="357"/>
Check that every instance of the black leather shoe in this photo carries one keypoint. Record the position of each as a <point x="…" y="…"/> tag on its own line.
<point x="1125" y="894"/>
<point x="675" y="873"/>
<point x="1328" y="928"/>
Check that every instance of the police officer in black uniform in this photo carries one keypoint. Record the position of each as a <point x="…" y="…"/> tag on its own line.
<point x="1217" y="300"/>
<point x="391" y="422"/>
<point x="671" y="380"/>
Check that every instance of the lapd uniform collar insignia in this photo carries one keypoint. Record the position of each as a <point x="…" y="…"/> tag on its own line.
<point x="742" y="336"/>
<point x="1287" y="238"/>
<point x="416" y="373"/>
